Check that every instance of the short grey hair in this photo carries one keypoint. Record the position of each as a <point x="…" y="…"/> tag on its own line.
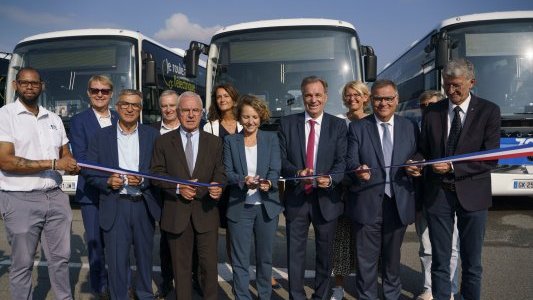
<point x="129" y="92"/>
<point x="191" y="94"/>
<point x="459" y="67"/>
<point x="168" y="93"/>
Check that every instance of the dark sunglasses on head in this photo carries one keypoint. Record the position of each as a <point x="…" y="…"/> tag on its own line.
<point x="104" y="92"/>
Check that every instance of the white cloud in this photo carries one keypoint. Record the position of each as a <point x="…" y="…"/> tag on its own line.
<point x="22" y="16"/>
<point x="179" y="28"/>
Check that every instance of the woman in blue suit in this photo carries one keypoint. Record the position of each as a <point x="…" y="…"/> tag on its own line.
<point x="252" y="162"/>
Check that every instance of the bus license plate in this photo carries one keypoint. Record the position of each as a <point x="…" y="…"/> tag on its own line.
<point x="523" y="184"/>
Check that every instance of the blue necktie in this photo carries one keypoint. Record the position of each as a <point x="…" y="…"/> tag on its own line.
<point x="455" y="132"/>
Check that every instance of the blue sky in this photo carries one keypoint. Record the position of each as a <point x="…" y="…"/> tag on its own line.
<point x="389" y="26"/>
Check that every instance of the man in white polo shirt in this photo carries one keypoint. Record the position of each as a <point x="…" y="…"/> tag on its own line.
<point x="33" y="148"/>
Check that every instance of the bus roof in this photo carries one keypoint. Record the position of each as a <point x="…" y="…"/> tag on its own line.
<point x="284" y="23"/>
<point x="97" y="32"/>
<point x="503" y="15"/>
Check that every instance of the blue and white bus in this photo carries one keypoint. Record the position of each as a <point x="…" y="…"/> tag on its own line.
<point x="500" y="45"/>
<point x="270" y="58"/>
<point x="67" y="59"/>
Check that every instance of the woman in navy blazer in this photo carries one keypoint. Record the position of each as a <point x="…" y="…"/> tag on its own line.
<point x="253" y="163"/>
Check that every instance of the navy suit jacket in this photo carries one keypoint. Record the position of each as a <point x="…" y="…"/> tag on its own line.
<point x="268" y="167"/>
<point x="364" y="147"/>
<point x="481" y="131"/>
<point x="103" y="150"/>
<point x="330" y="159"/>
<point x="83" y="126"/>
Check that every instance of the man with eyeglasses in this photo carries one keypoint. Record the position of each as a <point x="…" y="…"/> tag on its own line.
<point x="33" y="149"/>
<point x="83" y="126"/>
<point x="460" y="124"/>
<point x="128" y="206"/>
<point x="381" y="200"/>
<point x="190" y="213"/>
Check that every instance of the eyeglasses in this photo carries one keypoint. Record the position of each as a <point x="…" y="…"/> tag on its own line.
<point x="126" y="105"/>
<point x="104" y="92"/>
<point x="386" y="99"/>
<point x="350" y="96"/>
<point x="194" y="111"/>
<point x="26" y="83"/>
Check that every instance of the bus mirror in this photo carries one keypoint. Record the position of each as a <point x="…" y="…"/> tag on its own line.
<point x="441" y="57"/>
<point x="192" y="56"/>
<point x="371" y="62"/>
<point x="191" y="63"/>
<point x="149" y="71"/>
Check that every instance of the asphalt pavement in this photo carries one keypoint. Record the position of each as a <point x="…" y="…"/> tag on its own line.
<point x="507" y="259"/>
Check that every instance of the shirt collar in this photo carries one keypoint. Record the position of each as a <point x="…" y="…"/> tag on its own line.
<point x="463" y="106"/>
<point x="20" y="108"/>
<point x="183" y="132"/>
<point x="317" y="120"/>
<point x="98" y="116"/>
<point x="163" y="125"/>
<point x="121" y="131"/>
<point x="378" y="121"/>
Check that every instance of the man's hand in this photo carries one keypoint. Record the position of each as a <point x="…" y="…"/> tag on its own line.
<point x="188" y="191"/>
<point x="134" y="180"/>
<point x="215" y="191"/>
<point x="251" y="182"/>
<point x="413" y="170"/>
<point x="67" y="164"/>
<point x="323" y="181"/>
<point x="265" y="185"/>
<point x="115" y="181"/>
<point x="442" y="168"/>
<point x="363" y="173"/>
<point x="306" y="172"/>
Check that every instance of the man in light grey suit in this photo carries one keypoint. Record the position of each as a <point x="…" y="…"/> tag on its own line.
<point x="381" y="201"/>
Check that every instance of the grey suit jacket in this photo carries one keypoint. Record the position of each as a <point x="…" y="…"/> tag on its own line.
<point x="268" y="167"/>
<point x="364" y="147"/>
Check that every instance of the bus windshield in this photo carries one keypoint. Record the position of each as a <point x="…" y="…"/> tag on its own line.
<point x="271" y="64"/>
<point x="503" y="56"/>
<point x="66" y="66"/>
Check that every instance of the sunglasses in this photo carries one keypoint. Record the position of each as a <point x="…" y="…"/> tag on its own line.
<point x="104" y="92"/>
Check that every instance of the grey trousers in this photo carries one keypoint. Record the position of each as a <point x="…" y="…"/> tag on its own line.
<point x="28" y="218"/>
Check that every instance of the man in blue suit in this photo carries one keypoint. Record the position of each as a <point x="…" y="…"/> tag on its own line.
<point x="380" y="201"/>
<point x="312" y="142"/>
<point x="83" y="126"/>
<point x="128" y="206"/>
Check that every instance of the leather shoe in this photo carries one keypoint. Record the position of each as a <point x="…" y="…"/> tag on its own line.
<point x="197" y="288"/>
<point x="164" y="290"/>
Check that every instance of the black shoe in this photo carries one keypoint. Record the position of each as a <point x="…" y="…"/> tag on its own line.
<point x="276" y="286"/>
<point x="131" y="294"/>
<point x="104" y="295"/>
<point x="164" y="290"/>
<point x="196" y="287"/>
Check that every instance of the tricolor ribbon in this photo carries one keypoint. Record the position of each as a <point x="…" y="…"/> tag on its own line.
<point x="93" y="166"/>
<point x="493" y="154"/>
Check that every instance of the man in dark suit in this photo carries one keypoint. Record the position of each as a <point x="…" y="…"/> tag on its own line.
<point x="312" y="142"/>
<point x="168" y="103"/>
<point x="128" y="206"/>
<point x="83" y="126"/>
<point x="380" y="201"/>
<point x="463" y="123"/>
<point x="190" y="213"/>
